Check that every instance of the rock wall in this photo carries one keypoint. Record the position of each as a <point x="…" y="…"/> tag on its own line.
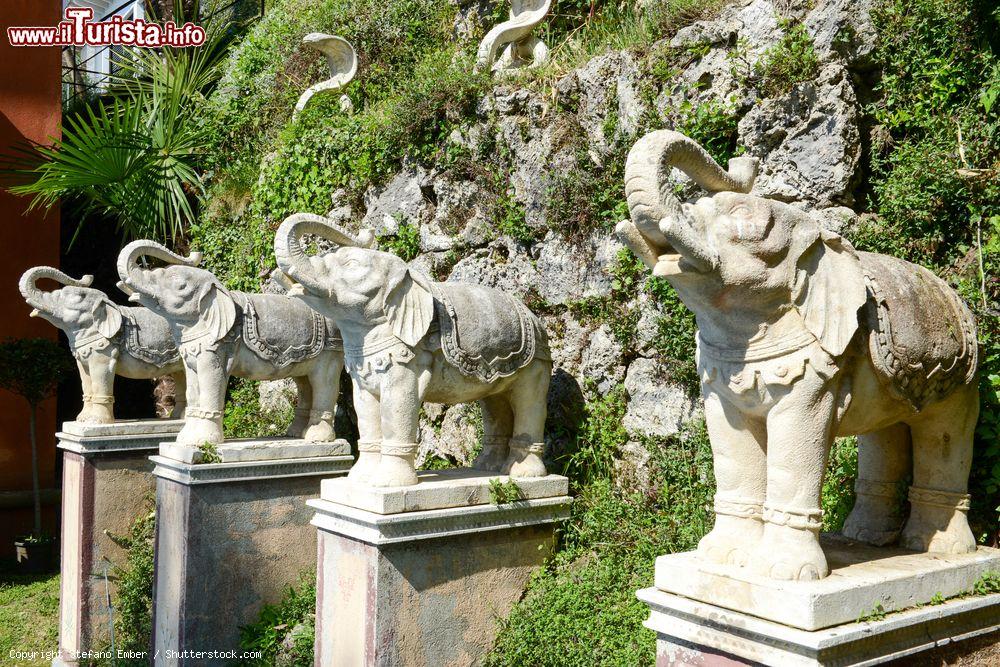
<point x="808" y="140"/>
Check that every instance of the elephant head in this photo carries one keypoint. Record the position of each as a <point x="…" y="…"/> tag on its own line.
<point x="75" y="307"/>
<point x="734" y="257"/>
<point x="186" y="295"/>
<point x="354" y="282"/>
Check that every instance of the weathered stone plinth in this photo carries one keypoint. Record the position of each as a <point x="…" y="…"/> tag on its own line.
<point x="229" y="538"/>
<point x="423" y="580"/>
<point x="707" y="614"/>
<point x="106" y="486"/>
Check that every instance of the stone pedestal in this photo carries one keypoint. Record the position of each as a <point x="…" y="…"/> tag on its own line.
<point x="419" y="575"/>
<point x="229" y="538"/>
<point x="877" y="605"/>
<point x="106" y="485"/>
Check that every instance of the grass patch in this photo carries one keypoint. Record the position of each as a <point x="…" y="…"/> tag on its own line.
<point x="29" y="613"/>
<point x="792" y="60"/>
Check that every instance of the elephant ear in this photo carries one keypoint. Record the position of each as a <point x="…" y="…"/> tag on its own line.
<point x="218" y="310"/>
<point x="409" y="305"/>
<point x="829" y="290"/>
<point x="108" y="318"/>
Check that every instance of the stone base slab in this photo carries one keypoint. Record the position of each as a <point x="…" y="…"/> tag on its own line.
<point x="861" y="577"/>
<point x="261" y="449"/>
<point x="691" y="633"/>
<point x="218" y="473"/>
<point x="437" y="489"/>
<point x="121" y="436"/>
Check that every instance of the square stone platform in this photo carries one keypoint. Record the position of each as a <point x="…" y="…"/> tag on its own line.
<point x="417" y="576"/>
<point x="258" y="449"/>
<point x="861" y="577"/>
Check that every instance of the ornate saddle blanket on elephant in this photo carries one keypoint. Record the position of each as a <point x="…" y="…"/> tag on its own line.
<point x="140" y="339"/>
<point x="485" y="333"/>
<point x="290" y="332"/>
<point x="922" y="338"/>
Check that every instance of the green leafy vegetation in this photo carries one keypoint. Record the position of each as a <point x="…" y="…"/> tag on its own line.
<point x="284" y="633"/>
<point x="838" y="483"/>
<point x="935" y="185"/>
<point x="244" y="417"/>
<point x="581" y="608"/>
<point x="675" y="335"/>
<point x="792" y="60"/>
<point x="405" y="242"/>
<point x="502" y="493"/>
<point x="134" y="586"/>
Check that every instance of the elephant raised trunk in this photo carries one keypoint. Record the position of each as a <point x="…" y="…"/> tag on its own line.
<point x="656" y="213"/>
<point x="291" y="254"/>
<point x="33" y="294"/>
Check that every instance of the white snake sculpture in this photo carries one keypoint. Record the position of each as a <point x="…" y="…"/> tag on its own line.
<point x="343" y="63"/>
<point x="522" y="48"/>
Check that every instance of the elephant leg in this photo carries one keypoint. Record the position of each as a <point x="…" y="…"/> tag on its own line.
<point x="883" y="465"/>
<point x="325" y="382"/>
<point x="401" y="398"/>
<point x="304" y="397"/>
<point x="368" y="409"/>
<point x="942" y="458"/>
<point x="180" y="395"/>
<point x="101" y="369"/>
<point x="88" y="390"/>
<point x="498" y="425"/>
<point x="799" y="433"/>
<point x="528" y="402"/>
<point x="203" y="421"/>
<point x="739" y="445"/>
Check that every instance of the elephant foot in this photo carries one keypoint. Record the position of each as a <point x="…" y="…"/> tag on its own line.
<point x="525" y="460"/>
<point x="395" y="466"/>
<point x="789" y="547"/>
<point x="731" y="540"/>
<point x="493" y="456"/>
<point x="198" y="431"/>
<point x="876" y="518"/>
<point x="320" y="432"/>
<point x="365" y="467"/>
<point x="299" y="424"/>
<point x="938" y="523"/>
<point x="95" y="415"/>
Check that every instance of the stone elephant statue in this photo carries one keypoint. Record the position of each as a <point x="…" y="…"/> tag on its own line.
<point x="408" y="340"/>
<point x="221" y="333"/>
<point x="106" y="339"/>
<point x="802" y="339"/>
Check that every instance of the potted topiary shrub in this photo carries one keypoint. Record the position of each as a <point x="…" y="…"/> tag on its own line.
<point x="31" y="368"/>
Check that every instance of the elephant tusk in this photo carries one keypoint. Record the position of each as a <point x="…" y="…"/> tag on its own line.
<point x="34" y="313"/>
<point x="134" y="298"/>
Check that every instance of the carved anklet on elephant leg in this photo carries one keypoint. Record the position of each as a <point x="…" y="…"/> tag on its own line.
<point x="938" y="522"/>
<point x="494" y="453"/>
<point x="738" y="526"/>
<point x="876" y="518"/>
<point x="525" y="459"/>
<point x="395" y="466"/>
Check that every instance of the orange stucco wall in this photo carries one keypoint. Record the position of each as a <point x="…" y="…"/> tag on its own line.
<point x="29" y="110"/>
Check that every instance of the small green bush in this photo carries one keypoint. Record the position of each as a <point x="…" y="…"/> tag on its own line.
<point x="405" y="243"/>
<point x="503" y="493"/>
<point x="792" y="60"/>
<point x="285" y="632"/>
<point x="134" y="584"/>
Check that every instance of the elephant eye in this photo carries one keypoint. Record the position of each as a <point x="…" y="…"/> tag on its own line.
<point x="740" y="211"/>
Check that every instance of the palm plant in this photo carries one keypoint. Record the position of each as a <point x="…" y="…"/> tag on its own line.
<point x="134" y="157"/>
